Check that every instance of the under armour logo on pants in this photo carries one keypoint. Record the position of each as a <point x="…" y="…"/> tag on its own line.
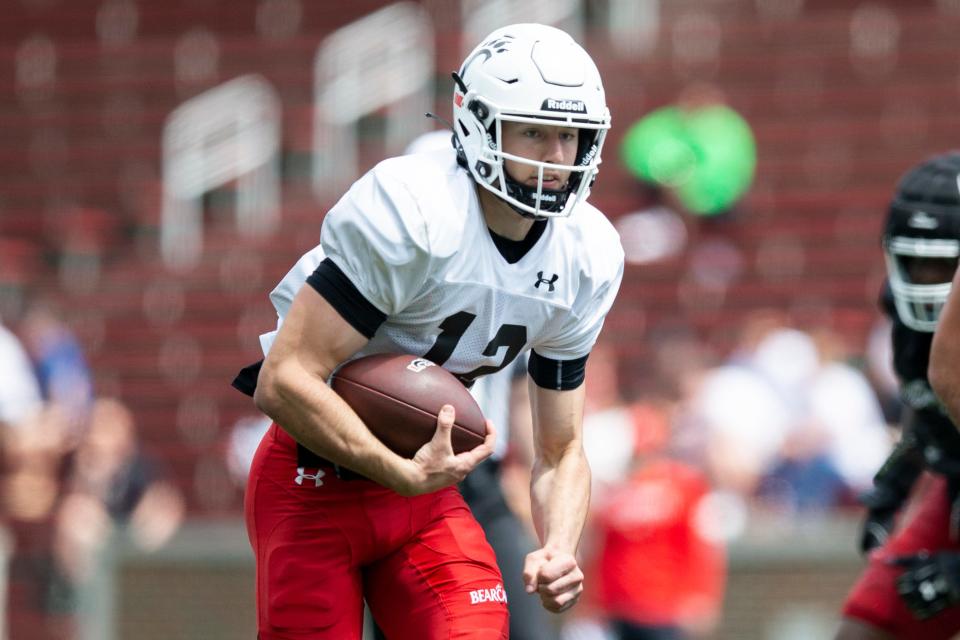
<point x="303" y="475"/>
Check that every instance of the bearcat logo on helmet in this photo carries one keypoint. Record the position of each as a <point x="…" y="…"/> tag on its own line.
<point x="576" y="106"/>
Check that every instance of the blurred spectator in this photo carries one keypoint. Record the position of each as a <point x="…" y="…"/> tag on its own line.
<point x="879" y="370"/>
<point x="20" y="397"/>
<point x="32" y="464"/>
<point x="659" y="573"/>
<point x="661" y="570"/>
<point x="31" y="447"/>
<point x="699" y="148"/>
<point x="112" y="485"/>
<point x="61" y="367"/>
<point x="30" y="486"/>
<point x="789" y="420"/>
<point x="608" y="430"/>
<point x="846" y="406"/>
<point x="654" y="231"/>
<point x="744" y="420"/>
<point x="802" y="474"/>
<point x="838" y="435"/>
<point x="608" y="441"/>
<point x="245" y="436"/>
<point x="803" y="478"/>
<point x="31" y="435"/>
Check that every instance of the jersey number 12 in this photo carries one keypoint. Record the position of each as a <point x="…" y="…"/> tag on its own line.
<point x="511" y="336"/>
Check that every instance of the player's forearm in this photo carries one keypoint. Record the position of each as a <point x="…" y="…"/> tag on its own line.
<point x="560" y="497"/>
<point x="944" y="368"/>
<point x="944" y="371"/>
<point x="316" y="417"/>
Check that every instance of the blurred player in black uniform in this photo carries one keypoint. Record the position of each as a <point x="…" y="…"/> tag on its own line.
<point x="911" y="586"/>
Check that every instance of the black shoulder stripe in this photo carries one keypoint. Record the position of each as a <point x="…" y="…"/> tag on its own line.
<point x="330" y="282"/>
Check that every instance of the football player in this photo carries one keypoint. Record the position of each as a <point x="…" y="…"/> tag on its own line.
<point x="911" y="586"/>
<point x="467" y="257"/>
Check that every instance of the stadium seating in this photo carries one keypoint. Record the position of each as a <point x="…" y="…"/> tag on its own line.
<point x="83" y="113"/>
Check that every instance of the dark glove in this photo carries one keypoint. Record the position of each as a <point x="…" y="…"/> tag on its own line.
<point x="876" y="529"/>
<point x="882" y="505"/>
<point x="891" y="486"/>
<point x="930" y="582"/>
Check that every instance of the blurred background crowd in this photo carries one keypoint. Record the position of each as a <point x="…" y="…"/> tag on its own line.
<point x="163" y="164"/>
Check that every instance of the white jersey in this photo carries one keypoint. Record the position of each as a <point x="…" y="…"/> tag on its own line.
<point x="411" y="237"/>
<point x="494" y="395"/>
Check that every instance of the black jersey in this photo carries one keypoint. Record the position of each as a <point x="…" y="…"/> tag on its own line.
<point x="938" y="438"/>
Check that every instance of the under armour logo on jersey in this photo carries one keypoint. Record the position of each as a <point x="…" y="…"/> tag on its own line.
<point x="303" y="475"/>
<point x="547" y="281"/>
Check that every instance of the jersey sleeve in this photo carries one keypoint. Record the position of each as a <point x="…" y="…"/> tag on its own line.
<point x="377" y="236"/>
<point x="283" y="294"/>
<point x="579" y="331"/>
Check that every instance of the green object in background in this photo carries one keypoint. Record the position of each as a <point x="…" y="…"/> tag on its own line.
<point x="706" y="155"/>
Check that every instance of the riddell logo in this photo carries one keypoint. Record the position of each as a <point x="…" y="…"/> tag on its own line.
<point x="564" y="105"/>
<point x="588" y="156"/>
<point x="497" y="594"/>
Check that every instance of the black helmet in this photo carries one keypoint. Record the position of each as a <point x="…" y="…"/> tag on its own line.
<point x="923" y="223"/>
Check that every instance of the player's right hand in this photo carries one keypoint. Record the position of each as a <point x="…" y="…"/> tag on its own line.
<point x="436" y="466"/>
<point x="556" y="576"/>
<point x="876" y="529"/>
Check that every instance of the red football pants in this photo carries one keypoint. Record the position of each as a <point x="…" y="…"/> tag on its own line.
<point x="323" y="545"/>
<point x="874" y="598"/>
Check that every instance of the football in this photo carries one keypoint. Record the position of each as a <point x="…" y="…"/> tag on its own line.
<point x="398" y="397"/>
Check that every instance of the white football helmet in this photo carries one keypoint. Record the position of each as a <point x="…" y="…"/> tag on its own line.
<point x="529" y="73"/>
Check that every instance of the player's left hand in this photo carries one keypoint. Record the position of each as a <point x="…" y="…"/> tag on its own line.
<point x="556" y="576"/>
<point x="930" y="582"/>
<point x="436" y="465"/>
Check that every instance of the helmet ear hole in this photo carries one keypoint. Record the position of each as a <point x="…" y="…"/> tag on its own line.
<point x="479" y="109"/>
<point x="484" y="169"/>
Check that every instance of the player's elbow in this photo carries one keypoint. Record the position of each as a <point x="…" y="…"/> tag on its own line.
<point x="269" y="393"/>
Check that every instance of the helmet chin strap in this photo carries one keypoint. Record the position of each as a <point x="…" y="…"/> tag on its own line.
<point x="528" y="195"/>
